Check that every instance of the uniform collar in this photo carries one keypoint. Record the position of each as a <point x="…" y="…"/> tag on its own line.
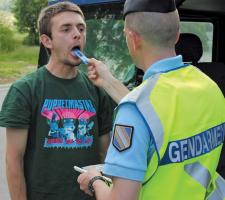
<point x="164" y="65"/>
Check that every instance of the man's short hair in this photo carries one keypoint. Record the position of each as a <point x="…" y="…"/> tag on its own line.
<point x="46" y="14"/>
<point x="159" y="29"/>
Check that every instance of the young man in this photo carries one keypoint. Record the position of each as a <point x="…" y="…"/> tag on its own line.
<point x="169" y="131"/>
<point x="55" y="118"/>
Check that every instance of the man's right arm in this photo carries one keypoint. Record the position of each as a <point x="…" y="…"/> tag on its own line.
<point x="15" y="149"/>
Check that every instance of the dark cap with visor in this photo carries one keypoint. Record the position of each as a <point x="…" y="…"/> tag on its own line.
<point x="161" y="6"/>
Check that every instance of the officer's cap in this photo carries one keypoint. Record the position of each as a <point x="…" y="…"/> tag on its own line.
<point x="161" y="6"/>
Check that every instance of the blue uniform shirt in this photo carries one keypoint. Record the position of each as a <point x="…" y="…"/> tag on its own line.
<point x="132" y="163"/>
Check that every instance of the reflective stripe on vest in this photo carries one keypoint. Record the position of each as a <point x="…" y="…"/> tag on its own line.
<point x="199" y="173"/>
<point x="141" y="99"/>
<point x="219" y="192"/>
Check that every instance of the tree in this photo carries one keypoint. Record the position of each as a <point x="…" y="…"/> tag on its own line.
<point x="106" y="41"/>
<point x="26" y="12"/>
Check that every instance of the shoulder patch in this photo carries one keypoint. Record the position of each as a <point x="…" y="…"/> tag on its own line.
<point x="122" y="137"/>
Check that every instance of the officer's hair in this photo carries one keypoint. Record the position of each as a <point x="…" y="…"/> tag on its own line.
<point x="159" y="29"/>
<point x="46" y="14"/>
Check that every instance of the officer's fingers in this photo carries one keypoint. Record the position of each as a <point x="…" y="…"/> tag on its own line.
<point x="89" y="193"/>
<point x="93" y="61"/>
<point x="96" y="63"/>
<point x="91" y="70"/>
<point x="84" y="188"/>
<point x="91" y="67"/>
<point x="92" y="74"/>
<point x="81" y="178"/>
<point x="92" y="77"/>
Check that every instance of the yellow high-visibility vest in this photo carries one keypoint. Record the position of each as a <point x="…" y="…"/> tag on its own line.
<point x="185" y="113"/>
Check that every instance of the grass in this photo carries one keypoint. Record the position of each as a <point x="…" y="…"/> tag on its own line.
<point x="17" y="63"/>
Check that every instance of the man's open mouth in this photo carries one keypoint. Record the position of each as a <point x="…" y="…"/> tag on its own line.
<point x="74" y="49"/>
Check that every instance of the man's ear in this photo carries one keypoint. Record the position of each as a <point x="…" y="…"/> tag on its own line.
<point x="135" y="40"/>
<point x="46" y="41"/>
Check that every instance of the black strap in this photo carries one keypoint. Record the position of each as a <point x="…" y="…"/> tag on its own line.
<point x="90" y="184"/>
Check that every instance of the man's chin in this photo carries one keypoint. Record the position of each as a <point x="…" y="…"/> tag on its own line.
<point x="72" y="64"/>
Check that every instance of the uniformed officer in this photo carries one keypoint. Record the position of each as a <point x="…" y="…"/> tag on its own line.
<point x="169" y="131"/>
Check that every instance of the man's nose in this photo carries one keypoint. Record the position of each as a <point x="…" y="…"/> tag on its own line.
<point x="76" y="33"/>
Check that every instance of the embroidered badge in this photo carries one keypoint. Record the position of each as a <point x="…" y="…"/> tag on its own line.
<point x="122" y="137"/>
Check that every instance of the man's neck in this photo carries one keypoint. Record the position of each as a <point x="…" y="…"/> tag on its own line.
<point x="61" y="70"/>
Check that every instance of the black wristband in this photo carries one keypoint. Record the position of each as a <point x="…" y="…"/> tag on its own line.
<point x="90" y="184"/>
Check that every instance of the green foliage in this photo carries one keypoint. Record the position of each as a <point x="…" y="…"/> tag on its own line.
<point x="7" y="39"/>
<point x="26" y="13"/>
<point x="7" y="19"/>
<point x="105" y="41"/>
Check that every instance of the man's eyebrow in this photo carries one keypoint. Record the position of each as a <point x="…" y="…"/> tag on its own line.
<point x="69" y="24"/>
<point x="66" y="25"/>
<point x="81" y="24"/>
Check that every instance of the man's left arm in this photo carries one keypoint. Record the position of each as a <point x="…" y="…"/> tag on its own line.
<point x="104" y="144"/>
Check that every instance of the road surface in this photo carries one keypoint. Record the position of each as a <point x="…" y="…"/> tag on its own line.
<point x="4" y="194"/>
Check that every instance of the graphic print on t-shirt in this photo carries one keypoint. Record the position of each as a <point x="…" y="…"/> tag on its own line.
<point x="69" y="123"/>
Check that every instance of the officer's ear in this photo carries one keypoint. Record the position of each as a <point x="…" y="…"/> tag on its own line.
<point x="46" y="41"/>
<point x="135" y="40"/>
<point x="177" y="36"/>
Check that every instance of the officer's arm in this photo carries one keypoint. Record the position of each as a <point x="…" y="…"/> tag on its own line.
<point x="15" y="148"/>
<point x="115" y="89"/>
<point x="100" y="75"/>
<point x="121" y="189"/>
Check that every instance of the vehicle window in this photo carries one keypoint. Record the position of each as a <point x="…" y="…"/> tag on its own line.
<point x="106" y="42"/>
<point x="204" y="30"/>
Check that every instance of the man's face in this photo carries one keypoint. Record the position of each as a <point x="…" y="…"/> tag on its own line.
<point x="68" y="32"/>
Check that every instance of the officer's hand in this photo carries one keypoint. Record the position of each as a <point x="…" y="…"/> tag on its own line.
<point x="84" y="178"/>
<point x="98" y="72"/>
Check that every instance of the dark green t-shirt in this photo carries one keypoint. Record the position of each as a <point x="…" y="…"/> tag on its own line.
<point x="65" y="118"/>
